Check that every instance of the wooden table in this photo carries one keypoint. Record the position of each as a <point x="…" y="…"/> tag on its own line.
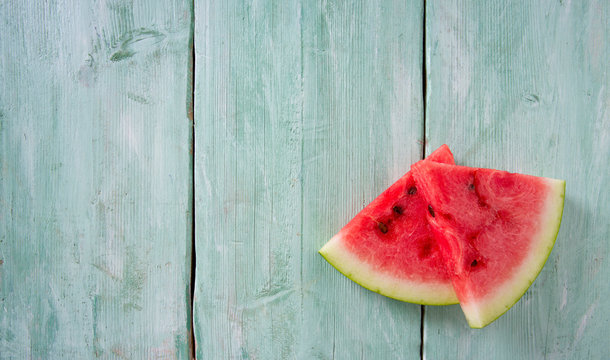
<point x="139" y="137"/>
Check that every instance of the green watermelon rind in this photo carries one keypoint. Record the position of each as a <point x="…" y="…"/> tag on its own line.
<point x="510" y="293"/>
<point x="396" y="288"/>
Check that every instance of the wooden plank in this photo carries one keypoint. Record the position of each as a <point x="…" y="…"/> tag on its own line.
<point x="304" y="113"/>
<point x="523" y="86"/>
<point x="247" y="164"/>
<point x="362" y="127"/>
<point x="94" y="179"/>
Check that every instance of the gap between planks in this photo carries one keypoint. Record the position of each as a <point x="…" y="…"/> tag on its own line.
<point x="191" y="113"/>
<point x="423" y="154"/>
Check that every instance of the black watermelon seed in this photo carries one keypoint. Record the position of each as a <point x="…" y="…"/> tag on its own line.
<point x="383" y="227"/>
<point x="471" y="186"/>
<point x="431" y="210"/>
<point x="397" y="209"/>
<point x="412" y="190"/>
<point x="473" y="263"/>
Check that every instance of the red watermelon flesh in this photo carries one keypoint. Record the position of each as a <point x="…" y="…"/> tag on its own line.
<point x="389" y="248"/>
<point x="494" y="229"/>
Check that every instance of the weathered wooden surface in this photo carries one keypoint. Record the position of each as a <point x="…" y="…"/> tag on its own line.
<point x="95" y="179"/>
<point x="304" y="113"/>
<point x="523" y="86"/>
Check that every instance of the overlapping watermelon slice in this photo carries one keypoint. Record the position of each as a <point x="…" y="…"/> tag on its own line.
<point x="445" y="231"/>
<point x="495" y="231"/>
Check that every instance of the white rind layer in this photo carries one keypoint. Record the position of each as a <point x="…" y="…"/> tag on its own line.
<point x="425" y="293"/>
<point x="484" y="311"/>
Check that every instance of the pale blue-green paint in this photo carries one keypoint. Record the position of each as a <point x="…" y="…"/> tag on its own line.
<point x="94" y="179"/>
<point x="523" y="86"/>
<point x="304" y="113"/>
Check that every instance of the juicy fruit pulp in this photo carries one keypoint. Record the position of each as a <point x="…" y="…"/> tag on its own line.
<point x="494" y="229"/>
<point x="389" y="247"/>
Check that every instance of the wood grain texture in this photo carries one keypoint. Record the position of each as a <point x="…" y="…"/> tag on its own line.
<point x="95" y="179"/>
<point x="362" y="128"/>
<point x="523" y="86"/>
<point x="304" y="113"/>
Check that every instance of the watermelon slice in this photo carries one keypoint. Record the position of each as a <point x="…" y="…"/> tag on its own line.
<point x="389" y="247"/>
<point x="494" y="229"/>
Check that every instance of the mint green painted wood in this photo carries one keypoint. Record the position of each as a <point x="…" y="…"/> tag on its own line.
<point x="95" y="179"/>
<point x="523" y="86"/>
<point x="304" y="112"/>
<point x="362" y="124"/>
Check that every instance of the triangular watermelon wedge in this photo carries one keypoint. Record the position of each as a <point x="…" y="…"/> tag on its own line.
<point x="389" y="248"/>
<point x="495" y="230"/>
